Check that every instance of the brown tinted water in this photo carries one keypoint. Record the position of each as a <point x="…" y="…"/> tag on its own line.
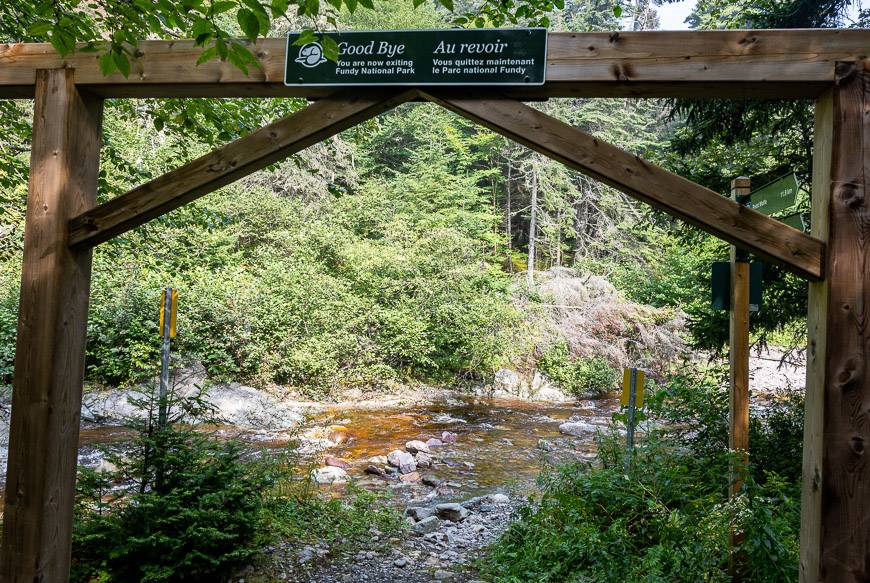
<point x="497" y="440"/>
<point x="497" y="443"/>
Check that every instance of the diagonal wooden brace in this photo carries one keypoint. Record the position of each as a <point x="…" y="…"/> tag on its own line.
<point x="704" y="208"/>
<point x="229" y="163"/>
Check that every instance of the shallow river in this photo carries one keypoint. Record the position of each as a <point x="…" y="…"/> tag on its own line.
<point x="499" y="442"/>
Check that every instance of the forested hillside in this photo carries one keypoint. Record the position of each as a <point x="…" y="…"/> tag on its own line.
<point x="392" y="251"/>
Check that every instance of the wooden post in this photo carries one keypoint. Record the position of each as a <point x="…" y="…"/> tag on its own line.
<point x="738" y="413"/>
<point x="837" y="431"/>
<point x="52" y="326"/>
<point x="738" y="402"/>
<point x="817" y="315"/>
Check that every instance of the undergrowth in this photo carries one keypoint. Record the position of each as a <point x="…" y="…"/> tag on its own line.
<point x="179" y="504"/>
<point x="666" y="518"/>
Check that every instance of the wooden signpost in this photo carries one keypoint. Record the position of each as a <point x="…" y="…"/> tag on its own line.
<point x="738" y="410"/>
<point x="168" y="318"/>
<point x="63" y="223"/>
<point x="633" y="381"/>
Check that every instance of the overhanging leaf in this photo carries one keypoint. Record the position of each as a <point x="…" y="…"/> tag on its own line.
<point x="249" y="23"/>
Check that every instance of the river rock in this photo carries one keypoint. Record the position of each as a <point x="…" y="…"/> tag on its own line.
<point x="451" y="511"/>
<point x="448" y="437"/>
<point x="338" y="434"/>
<point x="423" y="460"/>
<point x="434" y="442"/>
<point x="432" y="480"/>
<point x="376" y="471"/>
<point x="336" y="462"/>
<point x="427" y="525"/>
<point x="545" y="445"/>
<point x="419" y="513"/>
<point x="402" y="460"/>
<point x="543" y="390"/>
<point x="499" y="498"/>
<point x="410" y="478"/>
<point x="329" y="475"/>
<point x="378" y="460"/>
<point x="417" y="446"/>
<point x="578" y="428"/>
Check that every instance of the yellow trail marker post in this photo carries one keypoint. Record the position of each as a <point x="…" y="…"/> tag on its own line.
<point x="633" y="381"/>
<point x="168" y="305"/>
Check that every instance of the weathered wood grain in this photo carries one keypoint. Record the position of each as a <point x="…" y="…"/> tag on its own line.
<point x="844" y="541"/>
<point x="52" y="326"/>
<point x="817" y="317"/>
<point x="237" y="159"/>
<point x="748" y="229"/>
<point x="738" y="353"/>
<point x="735" y="63"/>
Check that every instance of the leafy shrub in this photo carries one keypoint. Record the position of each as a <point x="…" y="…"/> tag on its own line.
<point x="184" y="506"/>
<point x="579" y="376"/>
<point x="667" y="518"/>
<point x="189" y="508"/>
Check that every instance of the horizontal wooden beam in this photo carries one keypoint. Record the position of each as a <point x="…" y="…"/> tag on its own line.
<point x="236" y="160"/>
<point x="716" y="214"/>
<point x="733" y="63"/>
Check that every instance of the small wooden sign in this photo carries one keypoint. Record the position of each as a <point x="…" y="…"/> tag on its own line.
<point x="172" y="316"/>
<point x="626" y="387"/>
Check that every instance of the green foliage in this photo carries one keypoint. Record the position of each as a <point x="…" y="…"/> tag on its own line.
<point x="388" y="274"/>
<point x="188" y="508"/>
<point x="307" y="516"/>
<point x="223" y="28"/>
<point x="579" y="376"/>
<point x="667" y="519"/>
<point x="181" y="505"/>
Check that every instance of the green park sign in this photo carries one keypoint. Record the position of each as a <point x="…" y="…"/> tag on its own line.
<point x="776" y="196"/>
<point x="421" y="57"/>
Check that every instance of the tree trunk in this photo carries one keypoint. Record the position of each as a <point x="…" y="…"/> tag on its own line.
<point x="530" y="274"/>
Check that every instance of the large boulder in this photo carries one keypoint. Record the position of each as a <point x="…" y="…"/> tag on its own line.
<point x="424" y="460"/>
<point x="427" y="525"/>
<point x="233" y="403"/>
<point x="578" y="428"/>
<point x="418" y="513"/>
<point x="329" y="475"/>
<point x="417" y="446"/>
<point x="451" y="511"/>
<point x="402" y="460"/>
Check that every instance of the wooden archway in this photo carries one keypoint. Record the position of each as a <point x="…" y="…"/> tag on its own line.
<point x="63" y="223"/>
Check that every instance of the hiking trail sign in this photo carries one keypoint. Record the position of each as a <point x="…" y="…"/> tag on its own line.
<point x="421" y="57"/>
<point x="775" y="196"/>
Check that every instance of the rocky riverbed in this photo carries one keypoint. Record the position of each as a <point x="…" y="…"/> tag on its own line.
<point x="458" y="465"/>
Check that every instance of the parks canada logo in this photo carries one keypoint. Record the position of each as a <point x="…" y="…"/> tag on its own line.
<point x="310" y="55"/>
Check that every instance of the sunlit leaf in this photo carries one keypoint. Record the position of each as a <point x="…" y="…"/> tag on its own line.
<point x="39" y="29"/>
<point x="122" y="62"/>
<point x="207" y="55"/>
<point x="249" y="23"/>
<point x="279" y="7"/>
<point x="330" y="48"/>
<point x="223" y="6"/>
<point x="107" y="64"/>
